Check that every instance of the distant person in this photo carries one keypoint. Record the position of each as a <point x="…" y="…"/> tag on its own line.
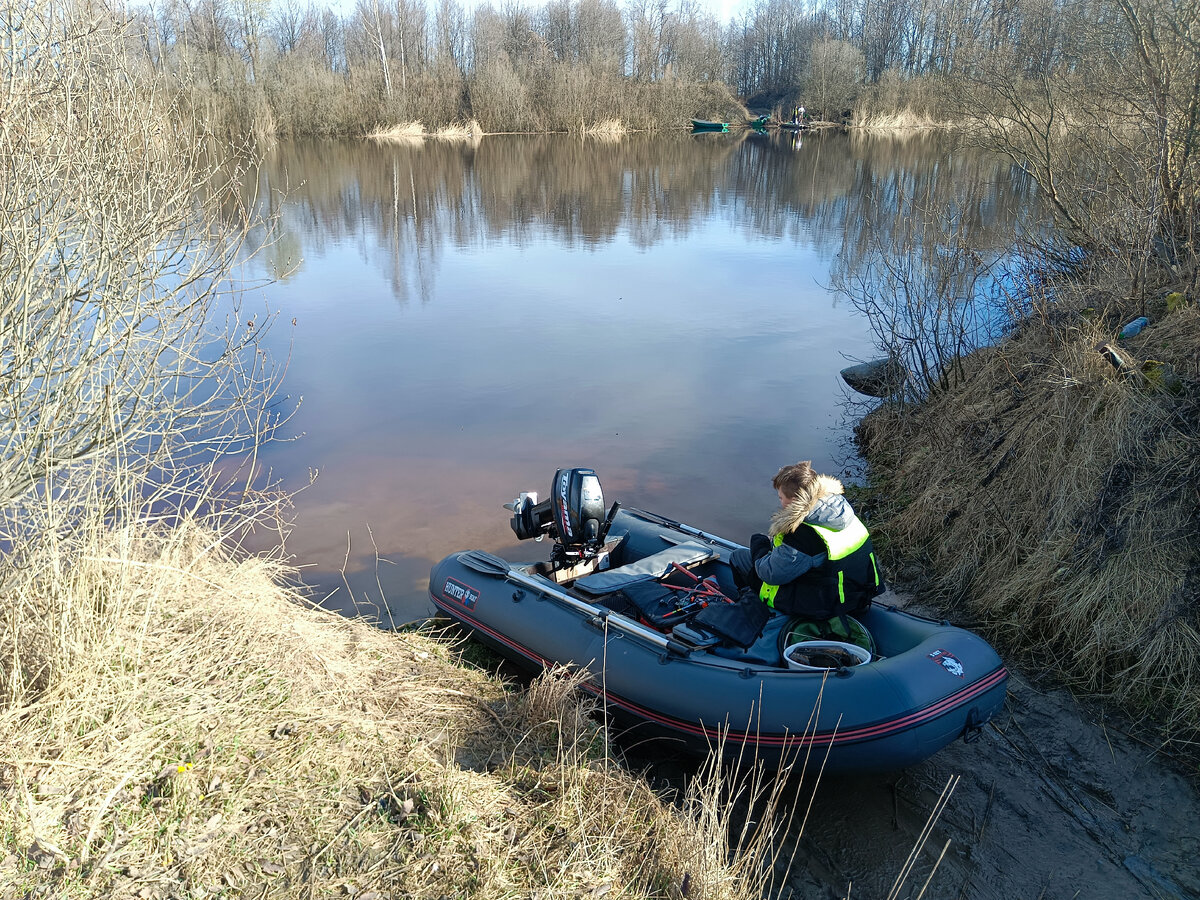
<point x="795" y="115"/>
<point x="817" y="560"/>
<point x="803" y="114"/>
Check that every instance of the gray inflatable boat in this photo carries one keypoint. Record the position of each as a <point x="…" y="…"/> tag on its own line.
<point x="648" y="607"/>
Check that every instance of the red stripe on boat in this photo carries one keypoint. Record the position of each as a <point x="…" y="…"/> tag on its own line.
<point x="786" y="739"/>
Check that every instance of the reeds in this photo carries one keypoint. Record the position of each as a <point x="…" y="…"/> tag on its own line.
<point x="460" y="132"/>
<point x="607" y="130"/>
<point x="402" y="132"/>
<point x="415" y="133"/>
<point x="902" y="120"/>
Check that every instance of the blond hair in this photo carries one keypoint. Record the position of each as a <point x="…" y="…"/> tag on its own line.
<point x="795" y="479"/>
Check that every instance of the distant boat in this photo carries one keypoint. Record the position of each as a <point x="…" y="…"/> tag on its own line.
<point x="794" y="126"/>
<point x="705" y="125"/>
<point x="760" y="123"/>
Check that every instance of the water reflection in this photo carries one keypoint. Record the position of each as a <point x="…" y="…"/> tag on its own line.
<point x="471" y="317"/>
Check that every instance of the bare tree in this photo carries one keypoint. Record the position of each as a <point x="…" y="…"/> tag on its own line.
<point x="450" y="41"/>
<point x="376" y="27"/>
<point x="917" y="281"/>
<point x="251" y="18"/>
<point x="645" y="22"/>
<point x="835" y="76"/>
<point x="882" y="34"/>
<point x="286" y="25"/>
<point x="601" y="33"/>
<point x="1118" y="164"/>
<point x="560" y="31"/>
<point x="113" y="356"/>
<point x="486" y="37"/>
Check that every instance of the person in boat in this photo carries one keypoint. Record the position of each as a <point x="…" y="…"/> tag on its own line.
<point x="817" y="560"/>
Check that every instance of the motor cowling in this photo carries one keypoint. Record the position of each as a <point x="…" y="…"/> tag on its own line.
<point x="578" y="507"/>
<point x="573" y="515"/>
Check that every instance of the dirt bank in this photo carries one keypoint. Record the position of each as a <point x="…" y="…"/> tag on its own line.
<point x="1050" y="493"/>
<point x="1050" y="803"/>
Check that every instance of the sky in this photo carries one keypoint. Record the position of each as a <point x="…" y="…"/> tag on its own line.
<point x="723" y="9"/>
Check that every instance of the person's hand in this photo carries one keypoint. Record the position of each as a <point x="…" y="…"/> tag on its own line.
<point x="760" y="546"/>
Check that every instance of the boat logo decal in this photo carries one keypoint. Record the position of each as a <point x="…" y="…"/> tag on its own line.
<point x="460" y="593"/>
<point x="948" y="661"/>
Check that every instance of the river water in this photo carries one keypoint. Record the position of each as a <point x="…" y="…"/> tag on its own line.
<point x="459" y="320"/>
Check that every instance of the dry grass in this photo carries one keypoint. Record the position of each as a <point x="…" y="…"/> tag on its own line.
<point x="464" y="132"/>
<point x="214" y="735"/>
<point x="607" y="130"/>
<point x="401" y="132"/>
<point x="1056" y="498"/>
<point x="898" y="120"/>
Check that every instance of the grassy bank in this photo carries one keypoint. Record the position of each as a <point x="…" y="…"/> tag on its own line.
<point x="1051" y="496"/>
<point x="213" y="735"/>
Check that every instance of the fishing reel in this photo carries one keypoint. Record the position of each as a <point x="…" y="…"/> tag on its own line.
<point x="573" y="516"/>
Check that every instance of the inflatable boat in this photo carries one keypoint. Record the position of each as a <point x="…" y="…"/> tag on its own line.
<point x="648" y="607"/>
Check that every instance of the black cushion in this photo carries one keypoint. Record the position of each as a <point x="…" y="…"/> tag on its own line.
<point x="740" y="623"/>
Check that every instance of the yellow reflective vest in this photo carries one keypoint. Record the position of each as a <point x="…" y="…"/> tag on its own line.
<point x="845" y="582"/>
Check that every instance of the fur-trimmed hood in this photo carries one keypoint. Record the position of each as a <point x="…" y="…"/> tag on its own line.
<point x="823" y="504"/>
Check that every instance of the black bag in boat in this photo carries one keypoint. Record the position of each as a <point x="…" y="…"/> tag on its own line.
<point x="740" y="622"/>
<point x="654" y="602"/>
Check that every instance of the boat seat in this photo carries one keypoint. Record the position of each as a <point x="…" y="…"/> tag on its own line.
<point x="648" y="568"/>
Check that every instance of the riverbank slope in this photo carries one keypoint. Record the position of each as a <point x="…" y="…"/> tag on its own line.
<point x="218" y="736"/>
<point x="1049" y="498"/>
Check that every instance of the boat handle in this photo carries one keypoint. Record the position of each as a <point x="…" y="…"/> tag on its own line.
<point x="597" y="622"/>
<point x="974" y="726"/>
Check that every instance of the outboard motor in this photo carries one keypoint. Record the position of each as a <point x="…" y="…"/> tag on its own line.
<point x="573" y="516"/>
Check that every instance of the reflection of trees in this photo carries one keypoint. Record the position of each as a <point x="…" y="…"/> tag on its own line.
<point x="921" y="252"/>
<point x="404" y="203"/>
<point x="851" y="192"/>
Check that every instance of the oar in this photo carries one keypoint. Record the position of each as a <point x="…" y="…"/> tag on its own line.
<point x="491" y="564"/>
<point x="679" y="526"/>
